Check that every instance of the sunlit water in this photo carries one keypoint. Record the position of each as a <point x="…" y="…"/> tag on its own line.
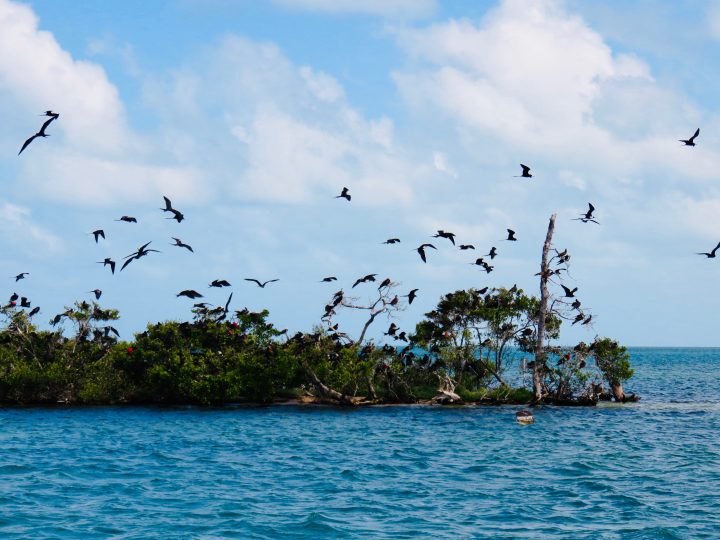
<point x="650" y="470"/>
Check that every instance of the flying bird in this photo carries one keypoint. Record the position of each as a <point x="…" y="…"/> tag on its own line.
<point x="443" y="234"/>
<point x="177" y="215"/>
<point x="569" y="293"/>
<point x="345" y="194"/>
<point x="493" y="253"/>
<point x="464" y="247"/>
<point x="22" y="275"/>
<point x="190" y="294"/>
<point x="369" y="277"/>
<point x="127" y="219"/>
<point x="690" y="141"/>
<point x="391" y="241"/>
<point x="711" y="255"/>
<point x="411" y="295"/>
<point x="525" y="172"/>
<point x="261" y="285"/>
<point x="385" y="283"/>
<point x="97" y="234"/>
<point x="97" y="293"/>
<point x="328" y="279"/>
<point x="142" y="251"/>
<point x="219" y="283"/>
<point x="34" y="311"/>
<point x="108" y="261"/>
<point x="40" y="133"/>
<point x="588" y="216"/>
<point x="511" y="235"/>
<point x="421" y="251"/>
<point x="180" y="243"/>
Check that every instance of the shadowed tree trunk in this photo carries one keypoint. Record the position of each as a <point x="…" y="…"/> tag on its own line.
<point x="540" y="344"/>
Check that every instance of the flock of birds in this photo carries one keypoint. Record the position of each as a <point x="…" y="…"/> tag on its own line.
<point x="339" y="298"/>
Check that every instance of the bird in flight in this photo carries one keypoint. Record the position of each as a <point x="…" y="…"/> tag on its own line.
<point x="569" y="293"/>
<point x="493" y="253"/>
<point x="345" y="194"/>
<point x="97" y="234"/>
<point x="328" y="279"/>
<point x="369" y="277"/>
<point x="97" y="293"/>
<point x="690" y="141"/>
<point x="127" y="219"/>
<point x="443" y="234"/>
<point x="411" y="295"/>
<point x="219" y="283"/>
<point x="53" y="116"/>
<point x="588" y="216"/>
<point x="511" y="235"/>
<point x="141" y="252"/>
<point x="464" y="247"/>
<point x="190" y="294"/>
<point x="391" y="241"/>
<point x="108" y="261"/>
<point x="525" y="172"/>
<point x="21" y="275"/>
<point x="711" y="255"/>
<point x="34" y="311"/>
<point x="179" y="243"/>
<point x="385" y="283"/>
<point x="261" y="285"/>
<point x="421" y="251"/>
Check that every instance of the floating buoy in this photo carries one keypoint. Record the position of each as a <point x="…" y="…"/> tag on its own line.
<point x="524" y="417"/>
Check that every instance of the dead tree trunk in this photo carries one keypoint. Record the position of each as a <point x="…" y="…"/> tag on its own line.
<point x="540" y="343"/>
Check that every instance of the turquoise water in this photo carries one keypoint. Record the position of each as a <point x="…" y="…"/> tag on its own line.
<point x="649" y="470"/>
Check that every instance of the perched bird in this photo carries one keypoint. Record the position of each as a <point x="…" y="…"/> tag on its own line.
<point x="34" y="311"/>
<point x="190" y="294"/>
<point x="579" y="317"/>
<point x="525" y="172"/>
<point x="328" y="279"/>
<point x="108" y="261"/>
<point x="587" y="321"/>
<point x="179" y="243"/>
<point x="421" y="251"/>
<point x="394" y="301"/>
<point x="411" y="295"/>
<point x="711" y="255"/>
<point x="41" y="133"/>
<point x="464" y="247"/>
<point x="24" y="302"/>
<point x="576" y="304"/>
<point x="261" y="285"/>
<point x="127" y="219"/>
<point x="511" y="235"/>
<point x="369" y="277"/>
<point x="569" y="293"/>
<point x="493" y="253"/>
<point x="587" y="216"/>
<point x="391" y="241"/>
<point x="97" y="293"/>
<point x="13" y="297"/>
<point x="219" y="283"/>
<point x="21" y="275"/>
<point x="385" y="283"/>
<point x="691" y="140"/>
<point x="345" y="194"/>
<point x="97" y="234"/>
<point x="443" y="234"/>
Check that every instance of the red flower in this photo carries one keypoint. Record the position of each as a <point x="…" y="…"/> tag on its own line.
<point x="130" y="350"/>
<point x="235" y="324"/>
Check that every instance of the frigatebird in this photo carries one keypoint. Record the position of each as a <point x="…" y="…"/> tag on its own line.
<point x="97" y="234"/>
<point x="261" y="285"/>
<point x="587" y="216"/>
<point x="34" y="311"/>
<point x="385" y="283"/>
<point x="24" y="302"/>
<point x="190" y="294"/>
<point x="180" y="243"/>
<point x="443" y="234"/>
<point x="369" y="277"/>
<point x="97" y="293"/>
<point x="493" y="253"/>
<point x="345" y="194"/>
<point x="392" y="329"/>
<point x="41" y="133"/>
<point x="219" y="283"/>
<point x="569" y="293"/>
<point x="328" y="279"/>
<point x="140" y="252"/>
<point x="21" y="275"/>
<point x="391" y="241"/>
<point x="108" y="261"/>
<point x="411" y="295"/>
<point x="127" y="219"/>
<point x="511" y="235"/>
<point x="421" y="251"/>
<point x="711" y="255"/>
<point x="464" y="247"/>
<point x="525" y="172"/>
<point x="691" y="140"/>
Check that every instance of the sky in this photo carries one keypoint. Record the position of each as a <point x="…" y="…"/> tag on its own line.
<point x="251" y="116"/>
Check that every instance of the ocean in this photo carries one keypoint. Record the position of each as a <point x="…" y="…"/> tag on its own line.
<point x="636" y="471"/>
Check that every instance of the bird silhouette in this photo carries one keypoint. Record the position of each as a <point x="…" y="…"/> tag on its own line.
<point x="579" y="317"/>
<point x="261" y="285"/>
<point x="392" y="329"/>
<point x="711" y="255"/>
<point x="190" y="294"/>
<point x="219" y="283"/>
<point x="421" y="251"/>
<point x="24" y="302"/>
<point x="587" y="216"/>
<point x="21" y="275"/>
<point x="108" y="261"/>
<point x="177" y="215"/>
<point x="328" y="279"/>
<point x="464" y="247"/>
<point x="587" y="321"/>
<point x="127" y="219"/>
<point x="97" y="293"/>
<point x="385" y="283"/>
<point x="443" y="234"/>
<point x="142" y="251"/>
<point x="34" y="311"/>
<point x="411" y="295"/>
<point x="391" y="241"/>
<point x="14" y="296"/>
<point x="691" y="140"/>
<point x="569" y="293"/>
<point x="576" y="304"/>
<point x="180" y="243"/>
<point x="345" y="194"/>
<point x="41" y="132"/>
<point x="511" y="235"/>
<point x="493" y="253"/>
<point x="369" y="277"/>
<point x="97" y="234"/>
<point x="525" y="172"/>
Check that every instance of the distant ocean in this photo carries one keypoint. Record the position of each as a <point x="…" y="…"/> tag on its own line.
<point x="647" y="470"/>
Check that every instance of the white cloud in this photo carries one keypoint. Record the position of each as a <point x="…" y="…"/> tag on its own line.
<point x="383" y="8"/>
<point x="19" y="230"/>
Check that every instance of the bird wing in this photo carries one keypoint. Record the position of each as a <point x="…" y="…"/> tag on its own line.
<point x="525" y="168"/>
<point x="591" y="208"/>
<point x="568" y="292"/>
<point x="227" y="304"/>
<point x="25" y="145"/>
<point x="697" y="132"/>
<point x="126" y="263"/>
<point x="270" y="281"/>
<point x="255" y="280"/>
<point x="421" y="251"/>
<point x="716" y="248"/>
<point x="168" y="204"/>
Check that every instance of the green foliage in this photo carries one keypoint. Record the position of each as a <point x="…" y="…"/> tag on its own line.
<point x="612" y="360"/>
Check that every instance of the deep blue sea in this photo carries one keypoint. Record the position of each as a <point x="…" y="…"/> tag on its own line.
<point x="647" y="470"/>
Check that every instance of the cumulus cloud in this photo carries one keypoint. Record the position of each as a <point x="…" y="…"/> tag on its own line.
<point x="18" y="229"/>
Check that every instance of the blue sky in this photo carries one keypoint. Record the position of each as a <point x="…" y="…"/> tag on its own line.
<point x="251" y="116"/>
